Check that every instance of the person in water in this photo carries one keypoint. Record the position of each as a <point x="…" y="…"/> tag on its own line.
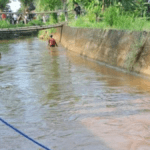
<point x="52" y="42"/>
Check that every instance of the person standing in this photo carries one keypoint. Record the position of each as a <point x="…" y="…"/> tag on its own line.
<point x="52" y="42"/>
<point x="15" y="18"/>
<point x="77" y="10"/>
<point x="3" y="16"/>
<point x="44" y="20"/>
<point x="25" y="19"/>
<point x="11" y="18"/>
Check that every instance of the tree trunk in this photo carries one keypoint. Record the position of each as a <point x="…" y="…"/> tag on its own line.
<point x="66" y="13"/>
<point x="65" y="9"/>
<point x="103" y="6"/>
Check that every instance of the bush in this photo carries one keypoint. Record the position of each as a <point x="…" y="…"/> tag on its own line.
<point x="20" y="24"/>
<point x="62" y="17"/>
<point x="85" y="23"/>
<point x="115" y="18"/>
<point x="49" y="31"/>
<point x="4" y="24"/>
<point x="35" y="22"/>
<point x="111" y="15"/>
<point x="91" y="17"/>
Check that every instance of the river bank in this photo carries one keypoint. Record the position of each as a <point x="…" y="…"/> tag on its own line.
<point x="11" y="35"/>
<point x="124" y="49"/>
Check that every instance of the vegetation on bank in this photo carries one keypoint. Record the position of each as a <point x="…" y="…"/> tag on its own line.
<point x="113" y="18"/>
<point x="6" y="24"/>
<point x="45" y="36"/>
<point x="105" y="14"/>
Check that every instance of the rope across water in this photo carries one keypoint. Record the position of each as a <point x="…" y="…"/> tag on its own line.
<point x="26" y="136"/>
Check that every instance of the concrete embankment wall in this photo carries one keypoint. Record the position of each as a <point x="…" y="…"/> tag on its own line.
<point x="14" y="34"/>
<point x="125" y="49"/>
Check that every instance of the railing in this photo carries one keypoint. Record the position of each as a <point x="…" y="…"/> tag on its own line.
<point x="42" y="15"/>
<point x="49" y="12"/>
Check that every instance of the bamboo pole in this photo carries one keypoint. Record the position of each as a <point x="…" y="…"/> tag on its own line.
<point x="37" y="12"/>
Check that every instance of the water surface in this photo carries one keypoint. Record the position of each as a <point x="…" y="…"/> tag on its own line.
<point x="67" y="102"/>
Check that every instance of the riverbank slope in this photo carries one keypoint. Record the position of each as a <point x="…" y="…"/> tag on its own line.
<point x="125" y="49"/>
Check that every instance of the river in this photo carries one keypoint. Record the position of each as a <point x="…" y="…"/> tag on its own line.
<point x="67" y="102"/>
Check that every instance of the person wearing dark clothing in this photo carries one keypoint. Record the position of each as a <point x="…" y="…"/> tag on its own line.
<point x="52" y="42"/>
<point x="31" y="8"/>
<point x="77" y="10"/>
<point x="11" y="19"/>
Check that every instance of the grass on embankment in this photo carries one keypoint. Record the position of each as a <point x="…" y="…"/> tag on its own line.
<point x="45" y="36"/>
<point x="6" y="24"/>
<point x="41" y="33"/>
<point x="137" y="24"/>
<point x="113" y="18"/>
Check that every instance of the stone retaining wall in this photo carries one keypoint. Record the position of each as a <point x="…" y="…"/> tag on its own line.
<point x="124" y="49"/>
<point x="10" y="34"/>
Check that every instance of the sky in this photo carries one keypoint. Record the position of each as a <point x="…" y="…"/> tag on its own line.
<point x="14" y="5"/>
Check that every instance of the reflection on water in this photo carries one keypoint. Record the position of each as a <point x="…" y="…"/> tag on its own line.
<point x="67" y="102"/>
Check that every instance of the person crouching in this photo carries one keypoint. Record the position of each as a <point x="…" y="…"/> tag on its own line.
<point x="52" y="42"/>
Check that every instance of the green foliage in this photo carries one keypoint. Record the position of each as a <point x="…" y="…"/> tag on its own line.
<point x="51" y="20"/>
<point x="91" y="17"/>
<point x="49" y="31"/>
<point x="35" y="22"/>
<point x="111" y="15"/>
<point x="62" y="17"/>
<point x="47" y="5"/>
<point x="3" y="4"/>
<point x="120" y="19"/>
<point x="114" y="18"/>
<point x="4" y="24"/>
<point x="26" y="3"/>
<point x="19" y="25"/>
<point x="83" y="22"/>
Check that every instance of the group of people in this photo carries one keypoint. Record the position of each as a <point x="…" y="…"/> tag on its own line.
<point x="14" y="19"/>
<point x="11" y="17"/>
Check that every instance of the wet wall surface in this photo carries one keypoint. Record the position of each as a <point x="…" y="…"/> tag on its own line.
<point x="67" y="102"/>
<point x="121" y="48"/>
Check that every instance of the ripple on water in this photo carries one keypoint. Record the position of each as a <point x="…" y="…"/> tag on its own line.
<point x="67" y="102"/>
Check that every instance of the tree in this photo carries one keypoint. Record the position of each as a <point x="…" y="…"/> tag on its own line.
<point x="3" y="4"/>
<point x="49" y="5"/>
<point x="25" y="4"/>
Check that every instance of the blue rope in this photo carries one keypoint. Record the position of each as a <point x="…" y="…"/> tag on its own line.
<point x="23" y="134"/>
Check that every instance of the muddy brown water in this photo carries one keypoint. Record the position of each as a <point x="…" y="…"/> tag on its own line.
<point x="67" y="102"/>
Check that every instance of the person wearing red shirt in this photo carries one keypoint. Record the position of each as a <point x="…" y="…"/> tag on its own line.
<point x="3" y="16"/>
<point x="52" y="41"/>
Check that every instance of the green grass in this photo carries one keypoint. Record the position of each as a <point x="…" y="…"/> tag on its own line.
<point x="113" y="18"/>
<point x="35" y="23"/>
<point x="50" y="31"/>
<point x="83" y="22"/>
<point x="123" y="23"/>
<point x="6" y="24"/>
